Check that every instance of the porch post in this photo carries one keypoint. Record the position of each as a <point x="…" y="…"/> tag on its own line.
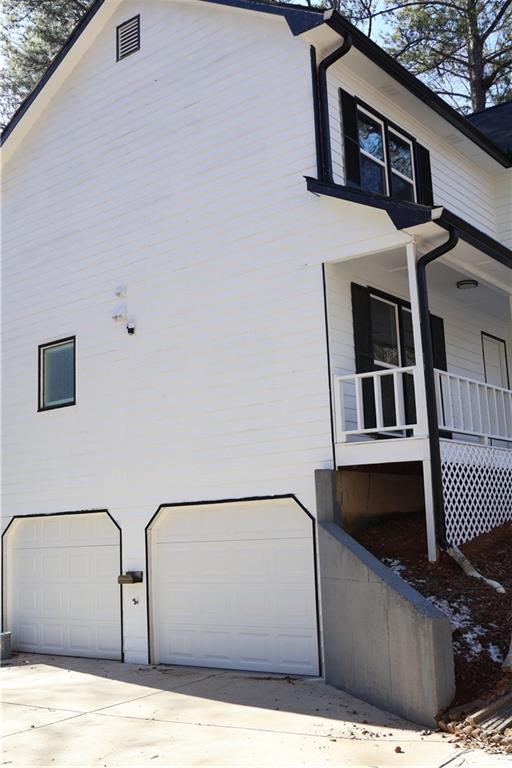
<point x="420" y="396"/>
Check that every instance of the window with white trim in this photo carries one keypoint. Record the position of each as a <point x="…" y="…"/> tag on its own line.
<point x="401" y="165"/>
<point x="57" y="374"/>
<point x="386" y="158"/>
<point x="373" y="158"/>
<point x="380" y="157"/>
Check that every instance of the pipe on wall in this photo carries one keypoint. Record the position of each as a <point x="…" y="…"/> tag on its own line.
<point x="321" y="102"/>
<point x="430" y="387"/>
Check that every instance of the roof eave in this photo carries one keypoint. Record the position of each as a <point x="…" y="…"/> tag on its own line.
<point x="409" y="81"/>
<point x="405" y="215"/>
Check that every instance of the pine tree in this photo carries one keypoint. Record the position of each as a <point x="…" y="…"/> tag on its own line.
<point x="462" y="48"/>
<point x="33" y="31"/>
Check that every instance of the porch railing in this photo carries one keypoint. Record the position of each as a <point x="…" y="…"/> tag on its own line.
<point x="473" y="408"/>
<point x="383" y="402"/>
<point x="370" y="403"/>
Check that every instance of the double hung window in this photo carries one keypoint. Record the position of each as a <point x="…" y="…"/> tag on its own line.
<point x="381" y="158"/>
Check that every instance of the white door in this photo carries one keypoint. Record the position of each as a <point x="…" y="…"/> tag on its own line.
<point x="62" y="595"/>
<point x="495" y="361"/>
<point x="233" y="586"/>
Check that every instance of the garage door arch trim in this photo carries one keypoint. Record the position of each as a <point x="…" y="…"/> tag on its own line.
<point x="31" y="516"/>
<point x="240" y="499"/>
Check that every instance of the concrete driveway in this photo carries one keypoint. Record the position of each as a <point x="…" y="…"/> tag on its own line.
<point x="61" y="711"/>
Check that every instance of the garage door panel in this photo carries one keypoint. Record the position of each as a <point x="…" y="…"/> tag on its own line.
<point x="296" y="650"/>
<point x="63" y="595"/>
<point x="232" y="602"/>
<point x="282" y="517"/>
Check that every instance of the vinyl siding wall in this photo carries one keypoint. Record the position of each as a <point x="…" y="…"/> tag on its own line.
<point x="457" y="183"/>
<point x="462" y="327"/>
<point x="503" y="202"/>
<point x="178" y="172"/>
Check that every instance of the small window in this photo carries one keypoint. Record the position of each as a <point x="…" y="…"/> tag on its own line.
<point x="57" y="374"/>
<point x="128" y="37"/>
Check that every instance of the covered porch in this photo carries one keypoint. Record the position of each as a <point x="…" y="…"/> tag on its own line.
<point x="380" y="371"/>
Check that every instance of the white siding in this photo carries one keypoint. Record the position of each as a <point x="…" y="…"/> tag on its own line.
<point x="458" y="184"/>
<point x="179" y="172"/>
<point x="462" y="327"/>
<point x="503" y="202"/>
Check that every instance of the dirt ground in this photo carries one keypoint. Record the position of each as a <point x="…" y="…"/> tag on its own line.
<point x="480" y="616"/>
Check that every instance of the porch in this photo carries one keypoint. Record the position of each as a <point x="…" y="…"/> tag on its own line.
<point x="379" y="395"/>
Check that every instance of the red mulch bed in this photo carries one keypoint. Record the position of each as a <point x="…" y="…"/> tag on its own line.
<point x="483" y="615"/>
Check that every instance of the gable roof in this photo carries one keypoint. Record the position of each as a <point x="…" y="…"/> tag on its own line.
<point x="496" y="123"/>
<point x="301" y="19"/>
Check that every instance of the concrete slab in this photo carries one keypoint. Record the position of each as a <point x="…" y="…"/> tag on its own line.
<point x="16" y="717"/>
<point x="109" y="714"/>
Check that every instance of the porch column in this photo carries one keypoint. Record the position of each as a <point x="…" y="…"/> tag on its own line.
<point x="420" y="396"/>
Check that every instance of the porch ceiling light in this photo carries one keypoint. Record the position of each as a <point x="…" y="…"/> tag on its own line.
<point x="464" y="285"/>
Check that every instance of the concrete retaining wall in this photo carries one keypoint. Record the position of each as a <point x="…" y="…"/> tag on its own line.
<point x="382" y="640"/>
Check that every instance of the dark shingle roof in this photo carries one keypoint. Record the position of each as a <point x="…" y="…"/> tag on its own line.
<point x="496" y="123"/>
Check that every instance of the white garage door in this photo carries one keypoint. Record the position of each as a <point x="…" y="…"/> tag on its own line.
<point x="233" y="586"/>
<point x="62" y="592"/>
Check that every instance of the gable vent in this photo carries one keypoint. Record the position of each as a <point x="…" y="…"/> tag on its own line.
<point x="128" y="37"/>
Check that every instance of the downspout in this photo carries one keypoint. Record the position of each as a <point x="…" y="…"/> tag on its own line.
<point x="430" y="386"/>
<point x="325" y="160"/>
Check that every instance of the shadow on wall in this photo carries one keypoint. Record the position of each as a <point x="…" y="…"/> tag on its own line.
<point x="371" y="493"/>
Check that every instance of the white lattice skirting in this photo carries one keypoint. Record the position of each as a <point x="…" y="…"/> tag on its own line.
<point x="477" y="486"/>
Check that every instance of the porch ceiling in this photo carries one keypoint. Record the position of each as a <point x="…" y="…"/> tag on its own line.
<point x="465" y="257"/>
<point x="492" y="296"/>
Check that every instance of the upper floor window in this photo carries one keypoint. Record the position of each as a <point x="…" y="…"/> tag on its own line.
<point x="57" y="374"/>
<point x="380" y="157"/>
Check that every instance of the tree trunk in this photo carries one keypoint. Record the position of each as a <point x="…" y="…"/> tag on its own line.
<point x="476" y="60"/>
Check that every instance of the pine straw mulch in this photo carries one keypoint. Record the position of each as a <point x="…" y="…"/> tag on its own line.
<point x="480" y="616"/>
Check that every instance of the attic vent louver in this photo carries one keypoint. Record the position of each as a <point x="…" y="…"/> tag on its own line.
<point x="128" y="37"/>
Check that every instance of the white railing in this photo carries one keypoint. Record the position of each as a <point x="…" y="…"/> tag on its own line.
<point x="360" y="407"/>
<point x="374" y="402"/>
<point x="473" y="408"/>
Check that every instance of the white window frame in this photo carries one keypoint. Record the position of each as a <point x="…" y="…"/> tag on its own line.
<point x="401" y="175"/>
<point x="397" y="324"/>
<point x="383" y="163"/>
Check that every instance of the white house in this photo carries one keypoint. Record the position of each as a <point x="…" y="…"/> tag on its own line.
<point x="225" y="225"/>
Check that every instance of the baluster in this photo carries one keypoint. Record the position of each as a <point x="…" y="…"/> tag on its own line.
<point x="339" y="410"/>
<point x="377" y="394"/>
<point x="398" y="390"/>
<point x="439" y="400"/>
<point x="359" y="402"/>
<point x="502" y="426"/>
<point x="486" y="392"/>
<point x="448" y="397"/>
<point x="459" y="401"/>
<point x="493" y="429"/>
<point x="471" y="426"/>
<point x="479" y="409"/>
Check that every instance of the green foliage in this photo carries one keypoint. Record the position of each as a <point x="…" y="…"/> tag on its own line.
<point x="33" y="31"/>
<point x="461" y="48"/>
